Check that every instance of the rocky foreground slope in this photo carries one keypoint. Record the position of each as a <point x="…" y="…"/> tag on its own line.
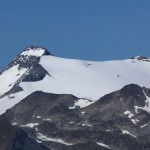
<point x="116" y="121"/>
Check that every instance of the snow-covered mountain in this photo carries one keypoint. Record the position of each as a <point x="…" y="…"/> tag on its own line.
<point x="76" y="104"/>
<point x="35" y="69"/>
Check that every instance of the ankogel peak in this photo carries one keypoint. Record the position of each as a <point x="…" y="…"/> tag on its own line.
<point x="24" y="68"/>
<point x="35" y="51"/>
<point x="29" y="57"/>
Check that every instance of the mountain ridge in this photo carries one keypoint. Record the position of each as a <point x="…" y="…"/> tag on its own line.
<point x="52" y="74"/>
<point x="69" y="104"/>
<point x="50" y="118"/>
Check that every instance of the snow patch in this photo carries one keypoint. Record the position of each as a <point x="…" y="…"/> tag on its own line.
<point x="45" y="138"/>
<point x="82" y="112"/>
<point x="30" y="125"/>
<point x="103" y="145"/>
<point x="135" y="121"/>
<point x="14" y="124"/>
<point x="81" y="103"/>
<point x="144" y="125"/>
<point x="47" y="119"/>
<point x="146" y="107"/>
<point x="8" y="78"/>
<point x="127" y="132"/>
<point x="86" y="124"/>
<point x="38" y="117"/>
<point x="130" y="115"/>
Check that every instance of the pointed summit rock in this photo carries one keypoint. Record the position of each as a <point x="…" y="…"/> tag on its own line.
<point x="24" y="68"/>
<point x="141" y="58"/>
<point x="35" y="51"/>
<point x="28" y="57"/>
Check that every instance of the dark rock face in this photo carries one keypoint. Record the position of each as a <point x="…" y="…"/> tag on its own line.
<point x="13" y="138"/>
<point x="27" y="61"/>
<point x="35" y="71"/>
<point x="40" y="104"/>
<point x="117" y="120"/>
<point x="141" y="58"/>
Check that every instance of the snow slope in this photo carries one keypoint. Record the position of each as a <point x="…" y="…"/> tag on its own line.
<point x="9" y="78"/>
<point x="87" y="79"/>
<point x="84" y="79"/>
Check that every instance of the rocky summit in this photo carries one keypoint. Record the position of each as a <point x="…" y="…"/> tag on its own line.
<point x="52" y="103"/>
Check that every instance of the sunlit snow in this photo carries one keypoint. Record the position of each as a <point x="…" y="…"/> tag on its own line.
<point x="130" y="115"/>
<point x="83" y="79"/>
<point x="81" y="103"/>
<point x="33" y="52"/>
<point x="45" y="138"/>
<point x="127" y="132"/>
<point x="146" y="107"/>
<point x="30" y="125"/>
<point x="70" y="76"/>
<point x="103" y="145"/>
<point x="9" y="78"/>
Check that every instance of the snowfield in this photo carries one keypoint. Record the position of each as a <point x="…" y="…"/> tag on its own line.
<point x="9" y="78"/>
<point x="84" y="79"/>
<point x="87" y="79"/>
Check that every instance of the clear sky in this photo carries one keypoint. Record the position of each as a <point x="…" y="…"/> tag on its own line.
<point x="83" y="29"/>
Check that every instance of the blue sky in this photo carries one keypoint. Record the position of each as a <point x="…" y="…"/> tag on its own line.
<point x="83" y="29"/>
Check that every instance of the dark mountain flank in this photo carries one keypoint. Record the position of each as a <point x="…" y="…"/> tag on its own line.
<point x="117" y="120"/>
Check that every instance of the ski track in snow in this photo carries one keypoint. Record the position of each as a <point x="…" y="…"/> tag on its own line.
<point x="83" y="79"/>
